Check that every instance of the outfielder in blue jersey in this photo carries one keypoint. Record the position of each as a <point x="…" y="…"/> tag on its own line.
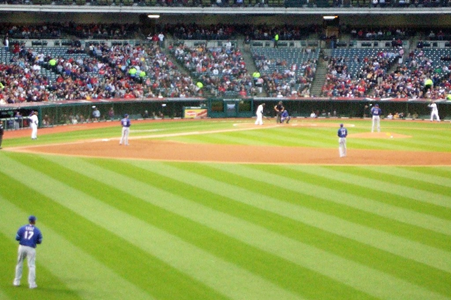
<point x="28" y="236"/>
<point x="376" y="112"/>
<point x="125" y="122"/>
<point x="342" y="134"/>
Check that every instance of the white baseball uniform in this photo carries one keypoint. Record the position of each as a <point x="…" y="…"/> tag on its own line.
<point x="434" y="111"/>
<point x="34" y="122"/>
<point x="259" y="114"/>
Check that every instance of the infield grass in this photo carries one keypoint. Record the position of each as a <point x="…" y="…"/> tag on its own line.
<point x="136" y="229"/>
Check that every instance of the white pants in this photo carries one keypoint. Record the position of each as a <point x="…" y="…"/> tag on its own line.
<point x="124" y="137"/>
<point x="34" y="131"/>
<point x="435" y="114"/>
<point x="376" y="123"/>
<point x="342" y="146"/>
<point x="30" y="254"/>
<point x="259" y="120"/>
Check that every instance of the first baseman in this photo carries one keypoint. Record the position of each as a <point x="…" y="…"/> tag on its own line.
<point x="125" y="122"/>
<point x="376" y="113"/>
<point x="342" y="134"/>
<point x="28" y="236"/>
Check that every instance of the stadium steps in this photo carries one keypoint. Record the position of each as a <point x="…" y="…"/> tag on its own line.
<point x="250" y="63"/>
<point x="181" y="67"/>
<point x="320" y="77"/>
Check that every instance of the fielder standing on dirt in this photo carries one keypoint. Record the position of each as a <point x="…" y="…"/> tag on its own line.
<point x="342" y="134"/>
<point x="125" y="122"/>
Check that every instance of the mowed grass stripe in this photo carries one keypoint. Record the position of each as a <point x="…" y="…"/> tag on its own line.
<point x="438" y="186"/>
<point x="183" y="202"/>
<point x="312" y="235"/>
<point x="81" y="273"/>
<point x="8" y="246"/>
<point x="186" y="230"/>
<point x="138" y="263"/>
<point x="444" y="171"/>
<point x="386" y="200"/>
<point x="370" y="236"/>
<point x="300" y="136"/>
<point x="435" y="177"/>
<point x="374" y="182"/>
<point x="74" y="228"/>
<point x="338" y="268"/>
<point x="223" y="276"/>
<point x="295" y="136"/>
<point x="139" y="266"/>
<point x="374" y="198"/>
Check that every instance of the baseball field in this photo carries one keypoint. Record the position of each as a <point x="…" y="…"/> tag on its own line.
<point x="225" y="209"/>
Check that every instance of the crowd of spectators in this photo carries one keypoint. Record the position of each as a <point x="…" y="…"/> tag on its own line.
<point x="201" y="32"/>
<point x="102" y="31"/>
<point x="42" y="31"/>
<point x="62" y="30"/>
<point x="340" y="82"/>
<point x="221" y="70"/>
<point x="283" y="78"/>
<point x="381" y="33"/>
<point x="101" y="73"/>
<point x="409" y="79"/>
<point x="285" y="32"/>
<point x="162" y="78"/>
<point x="224" y="32"/>
<point x="385" y="76"/>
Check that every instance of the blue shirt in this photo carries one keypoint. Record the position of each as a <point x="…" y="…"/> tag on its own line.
<point x="125" y="122"/>
<point x="284" y="114"/>
<point x="29" y="235"/>
<point x="376" y="111"/>
<point x="342" y="132"/>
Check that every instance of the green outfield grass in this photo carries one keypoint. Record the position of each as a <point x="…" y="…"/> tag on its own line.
<point x="135" y="229"/>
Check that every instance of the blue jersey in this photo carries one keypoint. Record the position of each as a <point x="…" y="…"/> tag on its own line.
<point x="376" y="111"/>
<point x="29" y="235"/>
<point x="342" y="132"/>
<point x="125" y="122"/>
<point x="285" y="114"/>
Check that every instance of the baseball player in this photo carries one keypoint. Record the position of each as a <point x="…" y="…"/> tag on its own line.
<point x="342" y="134"/>
<point x="376" y="113"/>
<point x="285" y="117"/>
<point x="259" y="114"/>
<point x="28" y="236"/>
<point x="434" y="111"/>
<point x="125" y="122"/>
<point x="1" y="134"/>
<point x="34" y="122"/>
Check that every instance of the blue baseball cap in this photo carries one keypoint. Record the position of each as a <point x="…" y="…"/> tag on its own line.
<point x="341" y="125"/>
<point x="126" y="115"/>
<point x="377" y="105"/>
<point x="31" y="218"/>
